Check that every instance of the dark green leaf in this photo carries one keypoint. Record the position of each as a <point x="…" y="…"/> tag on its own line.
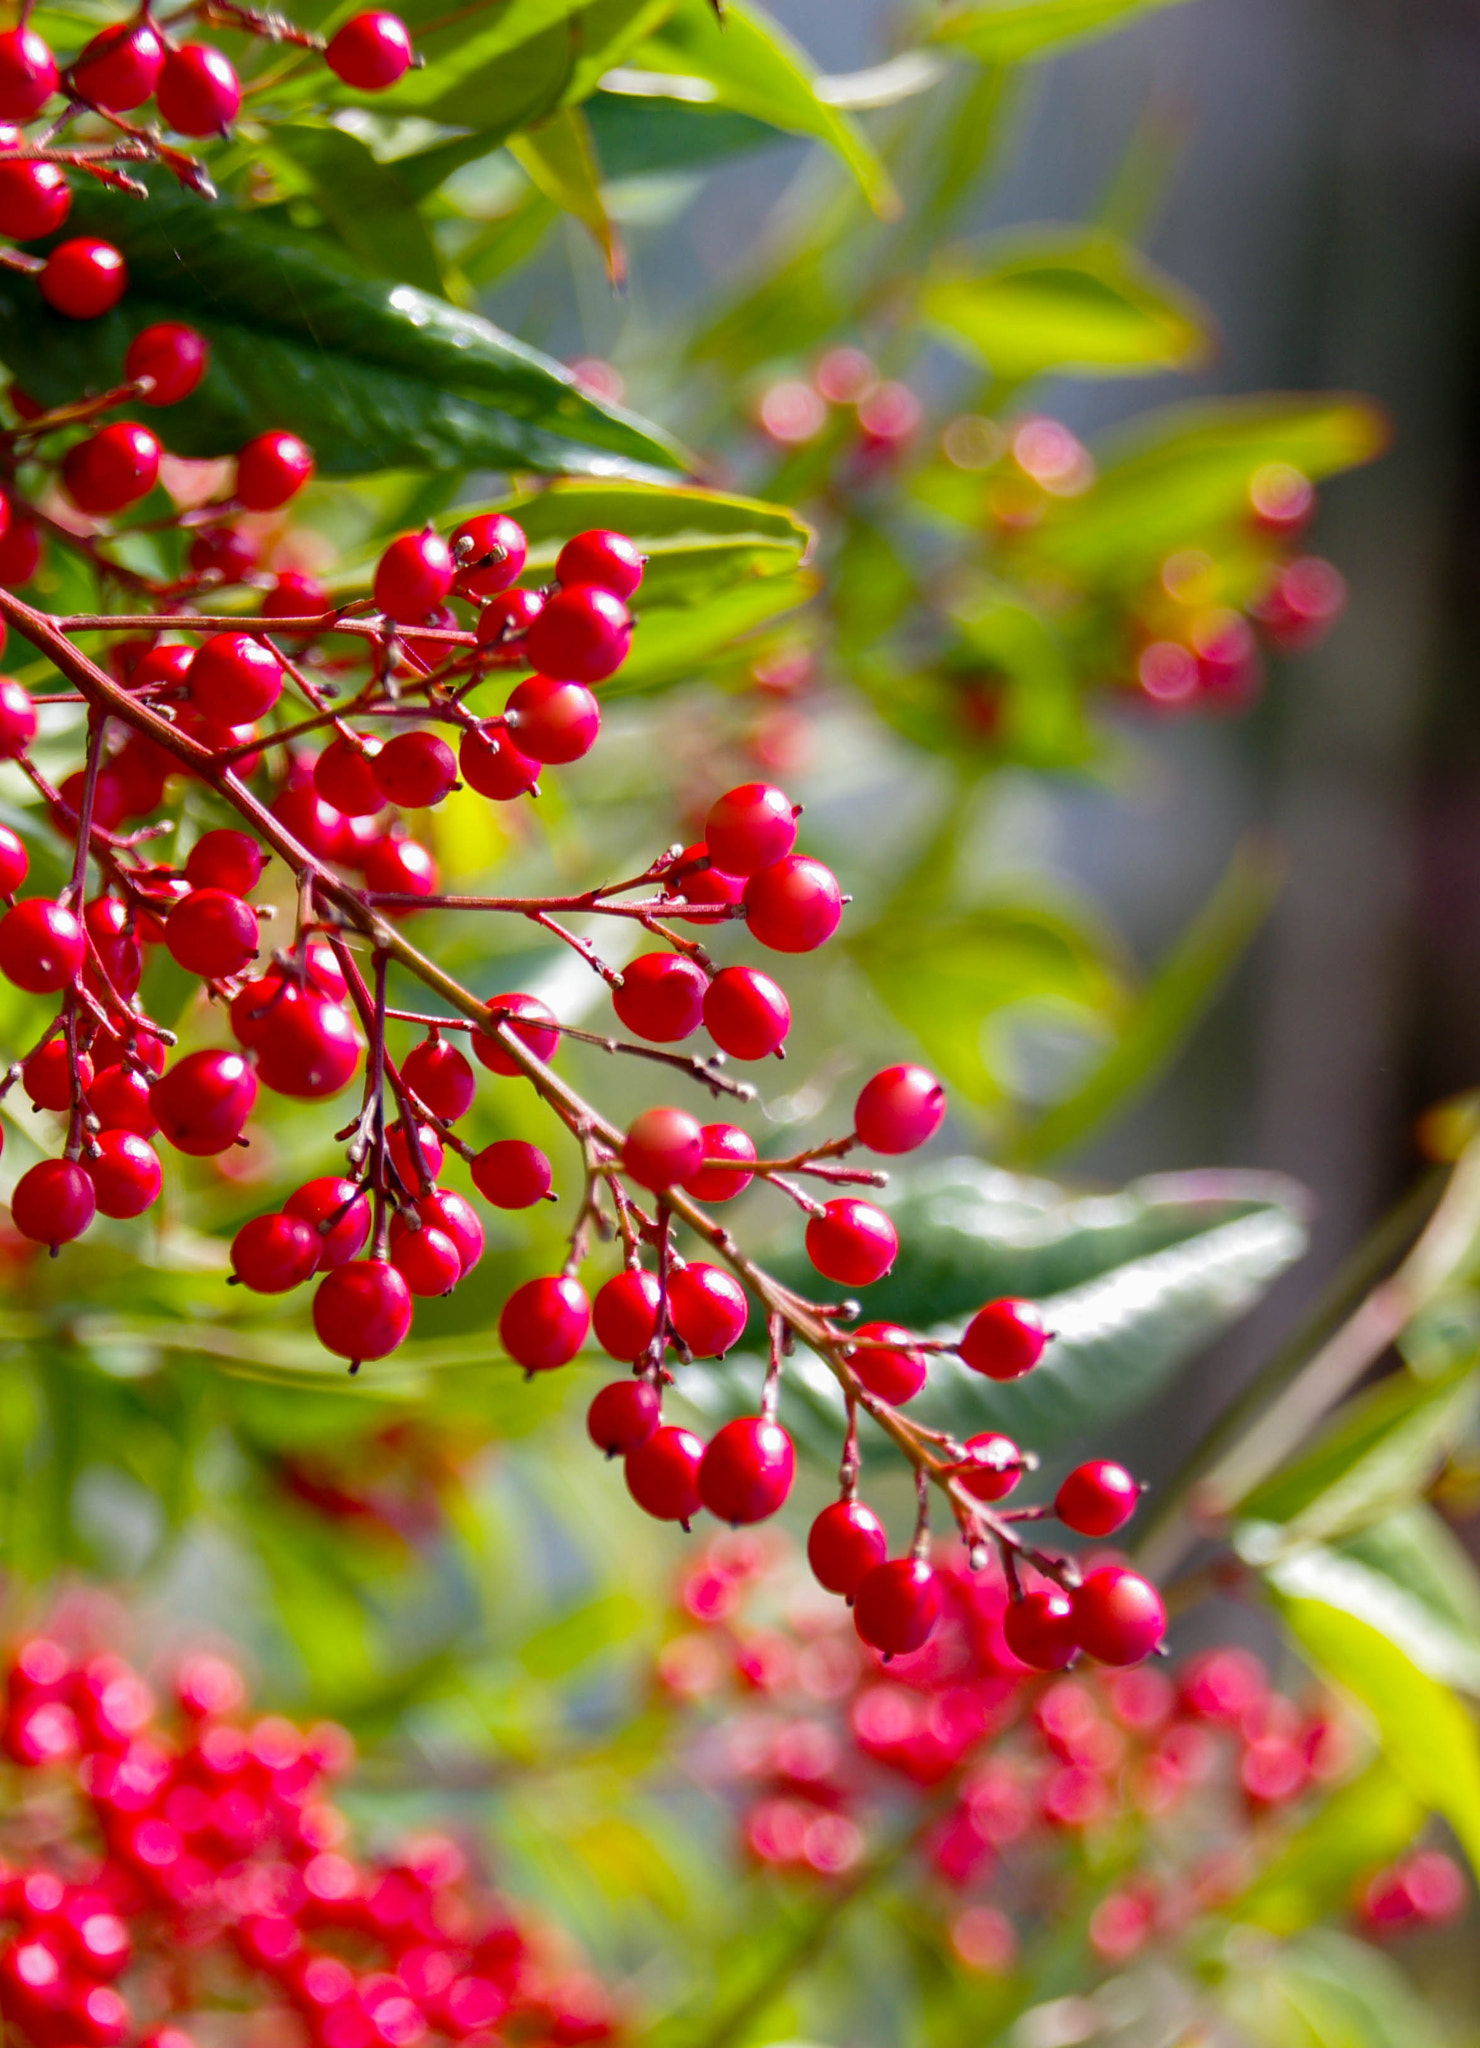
<point x="638" y="134"/>
<point x="368" y="204"/>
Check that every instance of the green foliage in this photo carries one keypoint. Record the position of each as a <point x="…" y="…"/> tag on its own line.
<point x="1002" y="32"/>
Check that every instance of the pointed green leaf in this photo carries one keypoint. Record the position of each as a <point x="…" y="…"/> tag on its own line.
<point x="1007" y="31"/>
<point x="559" y="159"/>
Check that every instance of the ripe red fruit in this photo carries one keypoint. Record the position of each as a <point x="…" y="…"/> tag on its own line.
<point x="493" y="765"/>
<point x="490" y="553"/>
<point x="624" y="1316"/>
<point x="211" y="933"/>
<point x="427" y="1260"/>
<point x="746" y="1013"/>
<point x="794" y="906"/>
<point x="224" y="859"/>
<point x="17" y="718"/>
<point x="750" y="828"/>
<point x="125" y="1173"/>
<point x="623" y="1416"/>
<point x="113" y="468"/>
<point x="412" y="577"/>
<point x="235" y="678"/>
<point x="442" y="1078"/>
<point x="224" y="553"/>
<point x="852" y="1242"/>
<point x="897" y="1605"/>
<point x="1097" y="1499"/>
<point x="399" y="867"/>
<point x="609" y="561"/>
<point x="107" y="810"/>
<point x="544" y="1322"/>
<point x="41" y="946"/>
<point x="511" y="1174"/>
<point x="35" y="199"/>
<point x="319" y="1200"/>
<point x="294" y="596"/>
<point x="581" y="635"/>
<point x="747" y="1470"/>
<point x="1039" y="1630"/>
<point x="119" y="1099"/>
<point x="1004" y="1340"/>
<point x="1118" y="1616"/>
<point x="344" y="776"/>
<point x="271" y="469"/>
<point x="119" y="68"/>
<point x="198" y="90"/>
<point x="526" y="1018"/>
<point x="415" y="1172"/>
<point x="663" y="1474"/>
<point x="553" y="722"/>
<point x="370" y="52"/>
<point x="107" y="923"/>
<point x="47" y="1075"/>
<point x="844" y="1544"/>
<point x="899" y="1109"/>
<point x="272" y="1254"/>
<point x="172" y="355"/>
<point x="317" y="826"/>
<point x="663" y="1147"/>
<point x="362" y="1309"/>
<point x="84" y="278"/>
<point x="504" y="621"/>
<point x="707" y="1308"/>
<point x="14" y="861"/>
<point x="21" y="550"/>
<point x="889" y="1367"/>
<point x="721" y="1183"/>
<point x="203" y="1100"/>
<point x="53" y="1202"/>
<point x="28" y="74"/>
<point x="661" y="997"/>
<point x="454" y="1215"/>
<point x="702" y="884"/>
<point x="307" y="1046"/>
<point x="991" y="1468"/>
<point x="414" y="770"/>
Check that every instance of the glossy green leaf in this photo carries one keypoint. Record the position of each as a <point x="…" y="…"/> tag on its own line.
<point x="369" y="205"/>
<point x="1327" y="1990"/>
<point x="559" y="159"/>
<point x="1362" y="1825"/>
<point x="1007" y="31"/>
<point x="638" y="134"/>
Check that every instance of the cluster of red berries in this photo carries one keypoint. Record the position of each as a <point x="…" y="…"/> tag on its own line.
<point x="158" y="1875"/>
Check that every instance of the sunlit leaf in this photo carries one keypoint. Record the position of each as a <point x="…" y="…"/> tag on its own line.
<point x="1006" y="31"/>
<point x="559" y="159"/>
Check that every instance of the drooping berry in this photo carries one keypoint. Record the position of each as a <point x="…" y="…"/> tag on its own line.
<point x="427" y="1260"/>
<point x="503" y="623"/>
<point x="553" y="722"/>
<point x="1004" y="1340"/>
<point x="235" y="678"/>
<point x="119" y="1099"/>
<point x="493" y="765"/>
<point x="746" y="1013"/>
<point x="119" y="69"/>
<point x="84" y="278"/>
<point x="413" y="577"/>
<point x="174" y="357"/>
<point x="272" y="1254"/>
<point x="414" y="770"/>
<point x="35" y="199"/>
<point x="663" y="1147"/>
<point x="490" y="552"/>
<point x="692" y="879"/>
<point x="897" y="1605"/>
<point x="707" y="1308"/>
<point x="888" y="1365"/>
<point x="1118" y="1616"/>
<point x="441" y="1077"/>
<point x="295" y="596"/>
<point x="747" y="1470"/>
<point x="394" y="866"/>
<point x="1039" y="1630"/>
<point x="203" y="1100"/>
<point x="844" y="1544"/>
<point x="14" y="861"/>
<point x="581" y="635"/>
<point x="362" y="1309"/>
<point x="224" y="859"/>
<point x="663" y="1474"/>
<point x="17" y="718"/>
<point x="41" y="946"/>
<point x="623" y="1416"/>
<point x="370" y="51"/>
<point x="339" y="1215"/>
<point x="609" y="561"/>
<point x="47" y="1075"/>
<point x="453" y="1214"/>
<point x="899" y="1109"/>
<point x="852" y="1242"/>
<point x="661" y="997"/>
<point x="53" y="1202"/>
<point x="317" y="826"/>
<point x="28" y="74"/>
<point x="112" y="468"/>
<point x="272" y="469"/>
<point x="794" y="906"/>
<point x="307" y="1046"/>
<point x="416" y="1168"/>
<point x="750" y="828"/>
<point x="211" y="933"/>
<point x="991" y="1468"/>
<point x="226" y="554"/>
<point x="511" y="1174"/>
<point x="1097" y="1499"/>
<point x="721" y="1182"/>
<point x="198" y="91"/>
<point x="544" y="1322"/>
<point x="344" y="776"/>
<point x="527" y="1019"/>
<point x="624" y="1315"/>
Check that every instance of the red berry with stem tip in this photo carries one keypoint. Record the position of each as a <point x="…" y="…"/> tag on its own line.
<point x="235" y="678"/>
<point x="503" y="623"/>
<point x="663" y="1147"/>
<point x="707" y="1308"/>
<point x="663" y="1474"/>
<point x="453" y="1214"/>
<point x="35" y="199"/>
<point x="992" y="1467"/>
<point x="490" y="553"/>
<point x="399" y="867"/>
<point x="750" y="828"/>
<point x="224" y="553"/>
<point x="53" y="1202"/>
<point x="412" y="577"/>
<point x="1039" y="1630"/>
<point x="661" y="997"/>
<point x="370" y="51"/>
<point x="493" y="765"/>
<point x="888" y="1365"/>
<point x="317" y="826"/>
<point x="701" y="883"/>
<point x="307" y="1047"/>
<point x="110" y="929"/>
<point x="624" y="1315"/>
<point x="21" y="553"/>
<point x="344" y="776"/>
<point x="14" y="861"/>
<point x="84" y="278"/>
<point x="211" y="933"/>
<point x="119" y="69"/>
<point x="272" y="1254"/>
<point x="41" y="946"/>
<point x="553" y="722"/>
<point x="897" y="1605"/>
<point x="582" y="635"/>
<point x="427" y="1260"/>
<point x="339" y="1215"/>
<point x="441" y="1077"/>
<point x="1004" y="1340"/>
<point x="47" y="1075"/>
<point x="414" y="770"/>
<point x="295" y="596"/>
<point x="198" y="91"/>
<point x="113" y="468"/>
<point x="716" y="1182"/>
<point x="362" y="1309"/>
<point x="852" y="1242"/>
<point x="119" y="1099"/>
<point x="511" y="1174"/>
<point x="1097" y="1499"/>
<point x="203" y="1100"/>
<point x="794" y="906"/>
<point x="899" y="1109"/>
<point x="1118" y="1616"/>
<point x="544" y="1322"/>
<point x="527" y="1019"/>
<point x="608" y="561"/>
<point x="17" y="718"/>
<point x="224" y="859"/>
<point x="746" y="1013"/>
<point x="28" y="74"/>
<point x="107" y="809"/>
<point x="747" y="1470"/>
<point x="173" y="356"/>
<point x="623" y="1417"/>
<point x="272" y="469"/>
<point x="415" y="1170"/>
<point x="844" y="1544"/>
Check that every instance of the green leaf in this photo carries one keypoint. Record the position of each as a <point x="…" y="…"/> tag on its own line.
<point x="1358" y="1828"/>
<point x="638" y="134"/>
<point x="563" y="1645"/>
<point x="559" y="159"/>
<point x="1326" y="1990"/>
<point x="369" y="205"/>
<point x="373" y="375"/>
<point x="1065" y="300"/>
<point x="1010" y="30"/>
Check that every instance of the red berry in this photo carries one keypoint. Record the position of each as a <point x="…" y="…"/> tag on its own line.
<point x="490" y="553"/>
<point x="852" y="1242"/>
<point x="1097" y="1499"/>
<point x="581" y="635"/>
<point x="119" y="1099"/>
<point x="661" y="997"/>
<point x="211" y="933"/>
<point x="745" y="1013"/>
<point x="319" y="1200"/>
<point x="624" y="1316"/>
<point x="553" y="722"/>
<point x="21" y="549"/>
<point x="109" y="927"/>
<point x="344" y="776"/>
<point x="899" y="1109"/>
<point x="1004" y="1340"/>
<point x="143" y="770"/>
<point x="889" y="1367"/>
<point x="235" y="678"/>
<point x="511" y="1174"/>
<point x="272" y="1254"/>
<point x="504" y="621"/>
<point x="307" y="1046"/>
<point x="399" y="867"/>
<point x="707" y="1308"/>
<point x="544" y="1322"/>
<point x="414" y="770"/>
<point x="198" y="90"/>
<point x="844" y="1544"/>
<point x="623" y="1416"/>
<point x="747" y="1470"/>
<point x="53" y="1202"/>
<point x="454" y="1215"/>
<point x="35" y="199"/>
<point x="750" y="828"/>
<point x="111" y="469"/>
<point x="28" y="74"/>
<point x="663" y="1474"/>
<point x="41" y="946"/>
<point x="317" y="826"/>
<point x="224" y="859"/>
<point x="362" y="1309"/>
<point x="416" y="1171"/>
<point x="609" y="561"/>
<point x="223" y="553"/>
<point x="270" y="470"/>
<point x="370" y="52"/>
<point x="17" y="718"/>
<point x="107" y="810"/>
<point x="203" y="1100"/>
<point x="413" y="576"/>
<point x="14" y="860"/>
<point x="442" y="1078"/>
<point x="991" y="1468"/>
<point x="526" y="1018"/>
<point x="493" y="765"/>
<point x="663" y="1146"/>
<point x="172" y="355"/>
<point x="120" y="67"/>
<point x="427" y="1260"/>
<point x="794" y="906"/>
<point x="294" y="596"/>
<point x="47" y="1075"/>
<point x="721" y="1183"/>
<point x="1118" y="1616"/>
<point x="702" y="884"/>
<point x="897" y="1605"/>
<point x="1039" y="1630"/>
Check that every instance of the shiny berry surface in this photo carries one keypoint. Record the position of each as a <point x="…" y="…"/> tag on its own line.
<point x="608" y="560"/>
<point x="750" y="828"/>
<point x="746" y="1013"/>
<point x="1097" y="1498"/>
<point x="1004" y="1339"/>
<point x="899" y="1110"/>
<point x="663" y="1474"/>
<point x="852" y="1242"/>
<point x="794" y="906"/>
<point x="844" y="1544"/>
<point x="172" y="356"/>
<point x="896" y="1605"/>
<point x="1118" y="1616"/>
<point x="747" y="1470"/>
<point x="370" y="51"/>
<point x="623" y="1416"/>
<point x="544" y="1323"/>
<point x="661" y="997"/>
<point x="624" y="1315"/>
<point x="663" y="1147"/>
<point x="729" y="1156"/>
<point x="887" y="1364"/>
